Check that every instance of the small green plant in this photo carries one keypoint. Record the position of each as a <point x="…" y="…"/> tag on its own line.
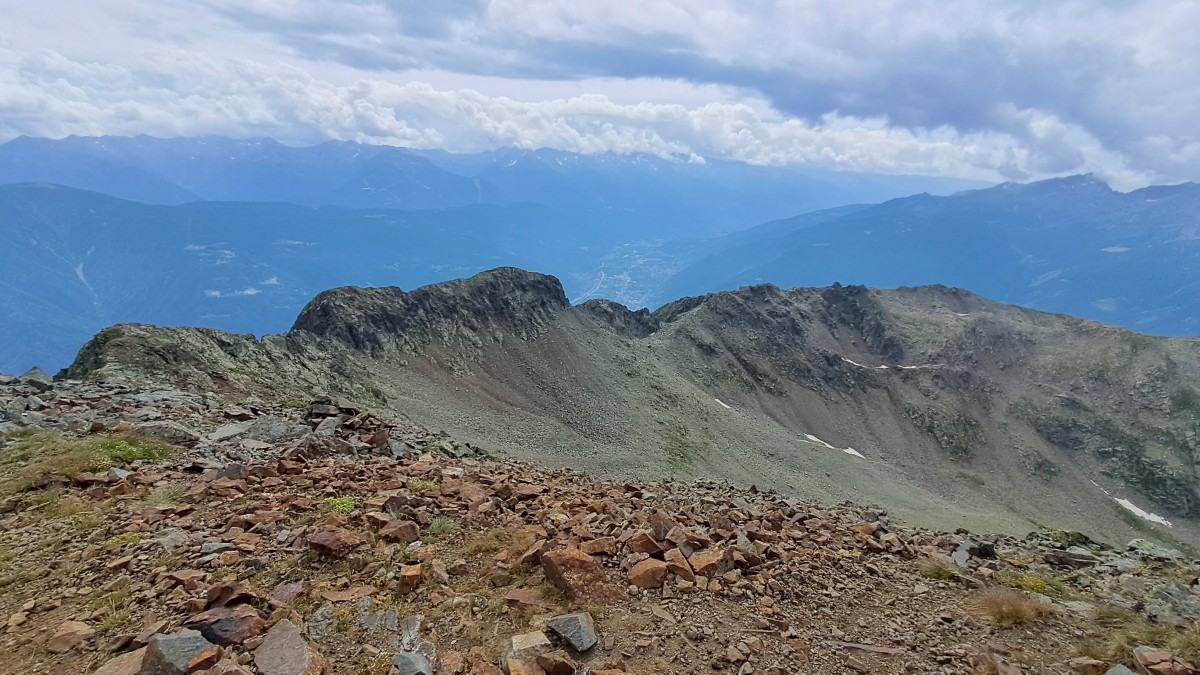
<point x="131" y="448"/>
<point x="222" y="573"/>
<point x="423" y="485"/>
<point x="441" y="526"/>
<point x="30" y="457"/>
<point x="341" y="506"/>
<point x="937" y="570"/>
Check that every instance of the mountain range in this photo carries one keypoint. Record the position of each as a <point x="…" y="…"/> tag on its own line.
<point x="944" y="408"/>
<point x="239" y="234"/>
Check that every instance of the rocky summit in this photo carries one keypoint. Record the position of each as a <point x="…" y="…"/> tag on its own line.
<point x="157" y="530"/>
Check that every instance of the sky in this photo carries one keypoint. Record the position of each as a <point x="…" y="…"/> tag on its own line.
<point x="984" y="90"/>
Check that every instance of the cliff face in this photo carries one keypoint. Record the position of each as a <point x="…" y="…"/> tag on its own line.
<point x="941" y="405"/>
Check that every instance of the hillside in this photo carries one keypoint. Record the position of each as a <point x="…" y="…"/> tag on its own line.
<point x="153" y="530"/>
<point x="947" y="409"/>
<point x="1068" y="245"/>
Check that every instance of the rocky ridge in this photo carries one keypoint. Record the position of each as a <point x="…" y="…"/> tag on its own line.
<point x="320" y="536"/>
<point x="960" y="411"/>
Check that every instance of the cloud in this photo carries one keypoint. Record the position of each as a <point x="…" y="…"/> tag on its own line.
<point x="174" y="92"/>
<point x="968" y="88"/>
<point x="232" y="294"/>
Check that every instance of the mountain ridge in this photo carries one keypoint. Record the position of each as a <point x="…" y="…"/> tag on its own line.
<point x="944" y="406"/>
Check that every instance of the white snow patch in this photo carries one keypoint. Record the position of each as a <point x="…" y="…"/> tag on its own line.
<point x="818" y="441"/>
<point x="856" y="363"/>
<point x="1142" y="513"/>
<point x="723" y="404"/>
<point x="848" y="451"/>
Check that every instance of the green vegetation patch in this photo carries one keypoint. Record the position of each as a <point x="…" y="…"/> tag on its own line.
<point x="32" y="457"/>
<point x="341" y="506"/>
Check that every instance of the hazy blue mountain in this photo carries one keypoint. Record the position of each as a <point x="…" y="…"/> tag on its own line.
<point x="75" y="261"/>
<point x="1069" y="245"/>
<point x="631" y="195"/>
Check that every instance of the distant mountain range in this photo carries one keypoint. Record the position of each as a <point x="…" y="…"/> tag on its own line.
<point x="238" y="234"/>
<point x="632" y="195"/>
<point x="1070" y="245"/>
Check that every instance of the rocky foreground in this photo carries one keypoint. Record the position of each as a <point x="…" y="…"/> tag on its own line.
<point x="156" y="531"/>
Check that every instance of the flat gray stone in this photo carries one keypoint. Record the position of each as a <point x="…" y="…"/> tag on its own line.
<point x="170" y="654"/>
<point x="578" y="630"/>
<point x="228" y="431"/>
<point x="411" y="663"/>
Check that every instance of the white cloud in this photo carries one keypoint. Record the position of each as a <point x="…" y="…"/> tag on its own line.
<point x="245" y="292"/>
<point x="173" y="92"/>
<point x="967" y="88"/>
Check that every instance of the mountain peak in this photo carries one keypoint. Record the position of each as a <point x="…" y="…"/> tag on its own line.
<point x="464" y="312"/>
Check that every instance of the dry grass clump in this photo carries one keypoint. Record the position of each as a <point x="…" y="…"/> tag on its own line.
<point x="509" y="539"/>
<point x="1010" y="608"/>
<point x="1125" y="630"/>
<point x="937" y="570"/>
<point x="29" y="457"/>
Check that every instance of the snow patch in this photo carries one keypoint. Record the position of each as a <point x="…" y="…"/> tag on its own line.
<point x="856" y="363"/>
<point x="848" y="451"/>
<point x="1142" y="513"/>
<point x="723" y="404"/>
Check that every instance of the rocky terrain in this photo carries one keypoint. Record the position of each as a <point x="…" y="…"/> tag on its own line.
<point x="148" y="530"/>
<point x="944" y="408"/>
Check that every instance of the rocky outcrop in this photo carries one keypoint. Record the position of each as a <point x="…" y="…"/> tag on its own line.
<point x="461" y="315"/>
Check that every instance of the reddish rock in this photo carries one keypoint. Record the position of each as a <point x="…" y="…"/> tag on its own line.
<point x="556" y="663"/>
<point x="710" y="561"/>
<point x="401" y="531"/>
<point x="643" y="542"/>
<point x="573" y="572"/>
<point x="603" y="545"/>
<point x="649" y="573"/>
<point x="125" y="664"/>
<point x="678" y="564"/>
<point x="377" y="518"/>
<point x="231" y="625"/>
<point x="284" y="594"/>
<point x="409" y="578"/>
<point x="205" y="659"/>
<point x="69" y="635"/>
<point x="334" y="541"/>
<point x="533" y="555"/>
